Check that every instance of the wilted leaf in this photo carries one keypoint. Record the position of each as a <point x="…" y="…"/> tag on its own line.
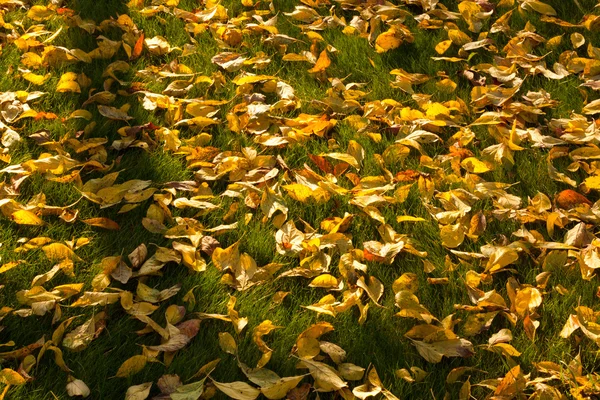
<point x="238" y="390"/>
<point x="138" y="392"/>
<point x="326" y="378"/>
<point x="281" y="387"/>
<point x="77" y="387"/>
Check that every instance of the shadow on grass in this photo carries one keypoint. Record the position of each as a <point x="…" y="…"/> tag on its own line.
<point x="97" y="10"/>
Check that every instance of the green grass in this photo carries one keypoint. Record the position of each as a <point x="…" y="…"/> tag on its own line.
<point x="379" y="341"/>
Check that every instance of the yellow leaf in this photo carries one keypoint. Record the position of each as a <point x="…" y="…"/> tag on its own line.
<point x="132" y="366"/>
<point x="11" y="377"/>
<point x="527" y="300"/>
<point x="388" y="40"/>
<point x="31" y="60"/>
<point x="84" y="114"/>
<point x="325" y="281"/>
<point x="35" y="78"/>
<point x="317" y="330"/>
<point x="228" y="258"/>
<point x="446" y="85"/>
<point x="471" y="12"/>
<point x="538" y="6"/>
<point x="298" y="192"/>
<point x="442" y="46"/>
<point x="227" y="343"/>
<point x="59" y="252"/>
<point x="248" y="79"/>
<point x="351" y="372"/>
<point x="452" y="235"/>
<point x="356" y="151"/>
<point x="347" y="158"/>
<point x="458" y="37"/>
<point x="554" y="42"/>
<point x="314" y="36"/>
<point x="514" y="138"/>
<point x="475" y="166"/>
<point x="507" y="349"/>
<point x="465" y="391"/>
<point x="326" y="378"/>
<point x="303" y="193"/>
<point x="189" y="257"/>
<point x="592" y="182"/>
<point x="68" y="83"/>
<point x="25" y="217"/>
<point x="8" y="266"/>
<point x="239" y="323"/>
<point x="280" y="388"/>
<point x="308" y="347"/>
<point x="577" y="40"/>
<point x="407" y="281"/>
<point x="40" y="13"/>
<point x="294" y="57"/>
<point x="374" y="287"/>
<point x="501" y="257"/>
<point x="456" y="373"/>
<point x="434" y="109"/>
<point x="238" y="390"/>
<point x="97" y="298"/>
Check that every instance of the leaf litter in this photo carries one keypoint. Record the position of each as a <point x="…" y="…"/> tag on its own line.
<point x="453" y="149"/>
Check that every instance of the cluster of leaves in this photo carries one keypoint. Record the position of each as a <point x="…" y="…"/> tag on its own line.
<point x="449" y="154"/>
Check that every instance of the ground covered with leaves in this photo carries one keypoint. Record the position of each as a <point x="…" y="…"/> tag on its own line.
<point x="299" y="198"/>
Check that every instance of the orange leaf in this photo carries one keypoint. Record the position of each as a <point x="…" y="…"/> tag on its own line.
<point x="340" y="168"/>
<point x="322" y="163"/>
<point x="139" y="46"/>
<point x="322" y="64"/>
<point x="568" y="199"/>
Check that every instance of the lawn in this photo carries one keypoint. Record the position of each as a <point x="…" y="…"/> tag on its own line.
<point x="311" y="199"/>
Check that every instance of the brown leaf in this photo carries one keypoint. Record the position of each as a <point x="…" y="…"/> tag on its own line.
<point x="101" y="222"/>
